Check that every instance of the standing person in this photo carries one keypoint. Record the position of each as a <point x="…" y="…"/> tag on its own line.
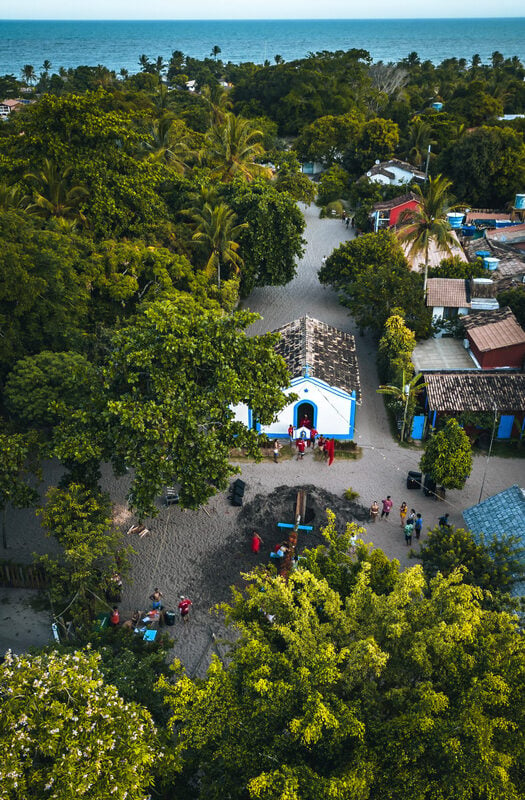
<point x="323" y="260"/>
<point x="387" y="507"/>
<point x="403" y="511"/>
<point x="313" y="434"/>
<point x="443" y="521"/>
<point x="156" y="602"/>
<point x="353" y="544"/>
<point x="412" y="516"/>
<point x="276" y="448"/>
<point x="374" y="511"/>
<point x="290" y="434"/>
<point x="418" y="525"/>
<point x="331" y="451"/>
<point x="320" y="442"/>
<point x="301" y="447"/>
<point x="114" y="618"/>
<point x="343" y="216"/>
<point x="347" y="222"/>
<point x="256" y="542"/>
<point x="184" y="607"/>
<point x="408" y="533"/>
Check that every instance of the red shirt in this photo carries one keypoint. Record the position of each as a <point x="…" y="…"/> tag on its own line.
<point x="114" y="618"/>
<point x="256" y="544"/>
<point x="301" y="445"/>
<point x="184" y="606"/>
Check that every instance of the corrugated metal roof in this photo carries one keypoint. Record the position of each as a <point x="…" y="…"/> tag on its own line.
<point x="329" y="353"/>
<point x="447" y="292"/>
<point x="476" y="391"/>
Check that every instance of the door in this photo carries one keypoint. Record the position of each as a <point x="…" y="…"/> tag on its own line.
<point x="506" y="424"/>
<point x="305" y="411"/>
<point x="418" y="427"/>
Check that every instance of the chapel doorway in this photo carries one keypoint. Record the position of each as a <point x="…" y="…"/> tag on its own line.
<point x="305" y="415"/>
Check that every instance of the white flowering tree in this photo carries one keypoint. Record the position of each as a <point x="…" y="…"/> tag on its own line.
<point x="64" y="733"/>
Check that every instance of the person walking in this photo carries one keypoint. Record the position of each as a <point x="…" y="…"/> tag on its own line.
<point x="114" y="618"/>
<point x="418" y="525"/>
<point x="323" y="260"/>
<point x="353" y="544"/>
<point x="347" y="222"/>
<point x="443" y="521"/>
<point x="276" y="448"/>
<point x="301" y="447"/>
<point x="184" y="607"/>
<point x="290" y="434"/>
<point x="403" y="511"/>
<point x="387" y="507"/>
<point x="374" y="511"/>
<point x="256" y="542"/>
<point x="408" y="533"/>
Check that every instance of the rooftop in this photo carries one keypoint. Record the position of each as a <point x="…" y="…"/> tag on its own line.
<point x="382" y="168"/>
<point x="329" y="353"/>
<point x="511" y="235"/>
<point x="435" y="254"/>
<point x="444" y="353"/>
<point x="476" y="391"/>
<point x="448" y="293"/>
<point x="386" y="205"/>
<point x="492" y="330"/>
<point x="486" y="216"/>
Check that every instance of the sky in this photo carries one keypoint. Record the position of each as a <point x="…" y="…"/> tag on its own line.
<point x="270" y="9"/>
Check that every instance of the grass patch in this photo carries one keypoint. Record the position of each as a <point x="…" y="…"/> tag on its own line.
<point x="348" y="450"/>
<point x="239" y="454"/>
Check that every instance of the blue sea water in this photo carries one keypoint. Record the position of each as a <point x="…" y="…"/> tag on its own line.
<point x="118" y="44"/>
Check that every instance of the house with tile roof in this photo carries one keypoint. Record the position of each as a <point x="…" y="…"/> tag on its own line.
<point x="450" y="298"/>
<point x="499" y="515"/>
<point x="435" y="254"/>
<point x="324" y="374"/>
<point x="478" y="391"/>
<point x="394" y="173"/>
<point x="496" y="339"/>
<point x="386" y="213"/>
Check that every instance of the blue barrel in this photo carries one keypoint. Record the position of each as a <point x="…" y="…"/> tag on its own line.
<point x="455" y="218"/>
<point x="437" y="106"/>
<point x="483" y="253"/>
<point x="520" y="201"/>
<point x="491" y="263"/>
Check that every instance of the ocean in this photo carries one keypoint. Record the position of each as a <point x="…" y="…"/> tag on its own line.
<point x="118" y="44"/>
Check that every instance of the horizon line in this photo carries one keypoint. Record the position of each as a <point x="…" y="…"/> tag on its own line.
<point x="257" y="19"/>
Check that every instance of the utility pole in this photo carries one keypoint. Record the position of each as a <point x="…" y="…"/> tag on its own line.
<point x="428" y="162"/>
<point x="488" y="454"/>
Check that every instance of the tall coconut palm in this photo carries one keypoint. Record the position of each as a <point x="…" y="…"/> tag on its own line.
<point x="145" y="64"/>
<point x="53" y="196"/>
<point x="218" y="101"/>
<point x="163" y="146"/>
<point x="11" y="197"/>
<point x="406" y="396"/>
<point x="218" y="232"/>
<point x="29" y="74"/>
<point x="419" y="139"/>
<point x="232" y="149"/>
<point x="428" y="222"/>
<point x="159" y="66"/>
<point x="215" y="50"/>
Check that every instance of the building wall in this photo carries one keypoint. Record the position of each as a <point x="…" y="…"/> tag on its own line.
<point x="513" y="356"/>
<point x="410" y="205"/>
<point x="334" y="410"/>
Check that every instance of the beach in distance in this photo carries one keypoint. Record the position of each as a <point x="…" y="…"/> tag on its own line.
<point x="118" y="44"/>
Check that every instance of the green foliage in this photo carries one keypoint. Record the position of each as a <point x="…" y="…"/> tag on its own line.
<point x="327" y="138"/>
<point x="377" y="139"/>
<point x="290" y="178"/>
<point x="351" y="494"/>
<point x="494" y="564"/>
<point x="448" y="456"/>
<point x="395" y="350"/>
<point x="273" y="241"/>
<point x="374" y="281"/>
<point x="333" y="185"/>
<point x="66" y="733"/>
<point x="18" y="465"/>
<point x="515" y="300"/>
<point x="454" y="267"/>
<point x="170" y="381"/>
<point x="356" y="694"/>
<point x="37" y="383"/>
<point x="487" y="166"/>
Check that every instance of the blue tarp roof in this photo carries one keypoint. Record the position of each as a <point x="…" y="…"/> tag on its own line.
<point x="503" y="513"/>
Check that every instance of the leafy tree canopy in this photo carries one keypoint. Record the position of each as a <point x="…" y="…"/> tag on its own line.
<point x="66" y="733"/>
<point x="454" y="267"/>
<point x="515" y="300"/>
<point x="448" y="456"/>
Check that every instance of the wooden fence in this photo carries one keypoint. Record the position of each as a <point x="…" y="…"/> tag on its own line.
<point x="22" y="576"/>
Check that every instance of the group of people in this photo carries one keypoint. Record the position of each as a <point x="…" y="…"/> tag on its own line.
<point x="412" y="523"/>
<point x="156" y="613"/>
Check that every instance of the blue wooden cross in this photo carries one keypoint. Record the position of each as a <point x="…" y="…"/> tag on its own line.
<point x="296" y="527"/>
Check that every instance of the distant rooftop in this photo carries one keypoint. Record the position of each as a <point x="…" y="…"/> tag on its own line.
<point x="447" y="293"/>
<point x="492" y="330"/>
<point x="476" y="391"/>
<point x="329" y="353"/>
<point x="386" y="205"/>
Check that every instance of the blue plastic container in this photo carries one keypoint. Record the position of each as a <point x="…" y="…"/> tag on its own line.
<point x="520" y="201"/>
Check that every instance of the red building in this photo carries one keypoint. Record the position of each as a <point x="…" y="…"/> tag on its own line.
<point x="496" y="339"/>
<point x="387" y="213"/>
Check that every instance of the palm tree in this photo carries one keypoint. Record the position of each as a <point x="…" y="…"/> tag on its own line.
<point x="428" y="222"/>
<point x="29" y="74"/>
<point x="419" y="140"/>
<point x="124" y="73"/>
<point x="231" y="148"/>
<point x="52" y="197"/>
<point x="159" y="66"/>
<point x="218" y="101"/>
<point x="11" y="197"/>
<point x="46" y="66"/>
<point x="215" y="50"/>
<point x="406" y="394"/>
<point x="278" y="59"/>
<point x="217" y="231"/>
<point x="144" y="63"/>
<point x="163" y="147"/>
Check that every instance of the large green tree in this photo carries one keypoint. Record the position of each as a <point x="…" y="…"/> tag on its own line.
<point x="448" y="456"/>
<point x="66" y="733"/>
<point x="18" y="467"/>
<point x="414" y="690"/>
<point x="170" y="382"/>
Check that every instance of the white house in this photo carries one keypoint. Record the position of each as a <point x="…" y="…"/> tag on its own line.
<point x="394" y="173"/>
<point x="322" y="362"/>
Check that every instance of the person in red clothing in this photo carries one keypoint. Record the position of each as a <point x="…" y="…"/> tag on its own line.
<point x="301" y="447"/>
<point x="313" y="434"/>
<point x="256" y="542"/>
<point x="114" y="618"/>
<point x="184" y="607"/>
